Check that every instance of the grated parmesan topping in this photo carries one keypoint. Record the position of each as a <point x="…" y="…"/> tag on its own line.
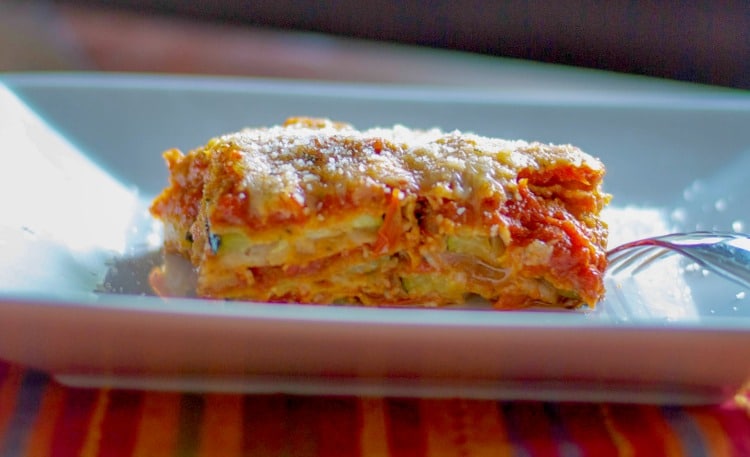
<point x="308" y="160"/>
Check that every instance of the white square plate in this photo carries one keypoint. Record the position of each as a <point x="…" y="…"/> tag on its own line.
<point x="81" y="159"/>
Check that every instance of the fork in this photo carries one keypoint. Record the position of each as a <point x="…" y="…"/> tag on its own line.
<point x="725" y="253"/>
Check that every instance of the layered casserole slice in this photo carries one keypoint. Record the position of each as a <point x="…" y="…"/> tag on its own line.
<point x="315" y="211"/>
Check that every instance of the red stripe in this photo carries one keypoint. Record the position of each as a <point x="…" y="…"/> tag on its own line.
<point x="72" y="425"/>
<point x="301" y="437"/>
<point x="585" y="425"/>
<point x="263" y="418"/>
<point x="4" y="370"/>
<point x="404" y="428"/>
<point x="120" y="425"/>
<point x="632" y="422"/>
<point x="10" y="383"/>
<point x="189" y="424"/>
<point x="338" y="427"/>
<point x="529" y="427"/>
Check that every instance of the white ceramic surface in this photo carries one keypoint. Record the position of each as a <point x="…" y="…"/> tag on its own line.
<point x="81" y="158"/>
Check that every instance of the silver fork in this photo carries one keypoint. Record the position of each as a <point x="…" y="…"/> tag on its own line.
<point x="724" y="253"/>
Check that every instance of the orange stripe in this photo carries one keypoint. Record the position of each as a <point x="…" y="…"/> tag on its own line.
<point x="372" y="438"/>
<point x="444" y="433"/>
<point x="743" y="402"/>
<point x="221" y="430"/>
<point x="157" y="431"/>
<point x="50" y="409"/>
<point x="624" y="449"/>
<point x="712" y="431"/>
<point x="9" y="398"/>
<point x="742" y="399"/>
<point x="93" y="438"/>
<point x="487" y="430"/>
<point x="458" y="427"/>
<point x="637" y="429"/>
<point x="656" y="422"/>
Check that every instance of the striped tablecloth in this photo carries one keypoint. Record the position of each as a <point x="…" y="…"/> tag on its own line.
<point x="39" y="417"/>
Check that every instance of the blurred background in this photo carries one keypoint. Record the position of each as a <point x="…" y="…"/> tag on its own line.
<point x="460" y="42"/>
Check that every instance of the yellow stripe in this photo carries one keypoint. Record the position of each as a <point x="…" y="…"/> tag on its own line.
<point x="743" y="402"/>
<point x="157" y="430"/>
<point x="221" y="430"/>
<point x="713" y="433"/>
<point x="459" y="427"/>
<point x="742" y="399"/>
<point x="93" y="438"/>
<point x="9" y="397"/>
<point x="43" y="430"/>
<point x="373" y="438"/>
<point x="624" y="449"/>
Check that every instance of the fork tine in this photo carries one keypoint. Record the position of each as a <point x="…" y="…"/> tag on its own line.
<point x="660" y="253"/>
<point x="624" y="258"/>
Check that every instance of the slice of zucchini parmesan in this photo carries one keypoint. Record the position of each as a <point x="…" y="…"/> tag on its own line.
<point x="315" y="211"/>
